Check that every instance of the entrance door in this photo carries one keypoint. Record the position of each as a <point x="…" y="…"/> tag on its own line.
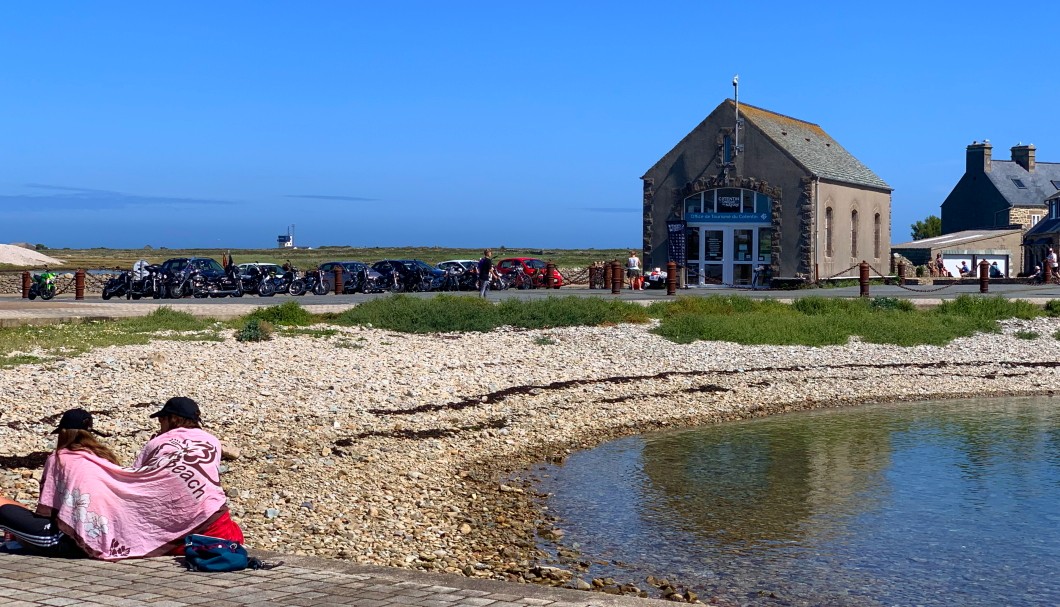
<point x="725" y="254"/>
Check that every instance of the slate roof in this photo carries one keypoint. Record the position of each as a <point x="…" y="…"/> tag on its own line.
<point x="811" y="147"/>
<point x="1039" y="184"/>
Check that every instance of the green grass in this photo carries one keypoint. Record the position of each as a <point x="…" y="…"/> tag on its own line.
<point x="285" y="314"/>
<point x="1027" y="335"/>
<point x="817" y="321"/>
<point x="30" y="344"/>
<point x="462" y="313"/>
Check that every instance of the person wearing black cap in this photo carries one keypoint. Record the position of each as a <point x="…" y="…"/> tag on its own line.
<point x="40" y="533"/>
<point x="180" y="432"/>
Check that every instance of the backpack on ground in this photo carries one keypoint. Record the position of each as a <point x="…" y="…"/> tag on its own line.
<point x="205" y="553"/>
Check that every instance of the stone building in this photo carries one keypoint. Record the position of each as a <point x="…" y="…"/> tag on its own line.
<point x="1001" y="194"/>
<point x="777" y="193"/>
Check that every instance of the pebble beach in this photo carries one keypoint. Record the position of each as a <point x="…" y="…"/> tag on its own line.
<point x="415" y="451"/>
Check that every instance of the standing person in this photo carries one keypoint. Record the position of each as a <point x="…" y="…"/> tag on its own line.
<point x="486" y="272"/>
<point x="181" y="440"/>
<point x="41" y="532"/>
<point x="1050" y="258"/>
<point x="633" y="271"/>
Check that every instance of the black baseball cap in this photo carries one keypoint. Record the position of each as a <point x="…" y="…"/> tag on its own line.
<point x="181" y="406"/>
<point x="75" y="419"/>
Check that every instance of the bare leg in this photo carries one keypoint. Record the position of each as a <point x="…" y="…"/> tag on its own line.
<point x="6" y="502"/>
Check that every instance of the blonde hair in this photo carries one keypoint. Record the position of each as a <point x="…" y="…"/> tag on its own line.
<point x="83" y="440"/>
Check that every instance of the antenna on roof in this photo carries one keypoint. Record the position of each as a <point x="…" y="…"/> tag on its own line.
<point x="736" y="98"/>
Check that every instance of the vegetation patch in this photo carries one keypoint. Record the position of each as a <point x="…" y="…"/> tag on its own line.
<point x="1027" y="335"/>
<point x="818" y="321"/>
<point x="255" y="329"/>
<point x="287" y="314"/>
<point x="448" y="313"/>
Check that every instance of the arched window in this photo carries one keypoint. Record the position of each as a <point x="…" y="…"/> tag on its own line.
<point x="854" y="233"/>
<point x="828" y="232"/>
<point x="876" y="235"/>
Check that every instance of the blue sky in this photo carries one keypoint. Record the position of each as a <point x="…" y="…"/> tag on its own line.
<point x="523" y="124"/>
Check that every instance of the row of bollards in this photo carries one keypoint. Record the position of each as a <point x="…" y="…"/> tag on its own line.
<point x="611" y="275"/>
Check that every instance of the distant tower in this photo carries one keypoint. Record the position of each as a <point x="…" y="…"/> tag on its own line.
<point x="286" y="241"/>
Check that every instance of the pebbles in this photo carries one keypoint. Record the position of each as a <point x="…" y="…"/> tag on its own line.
<point x="399" y="452"/>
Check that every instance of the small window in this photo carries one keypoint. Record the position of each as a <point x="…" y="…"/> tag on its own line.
<point x="1019" y="183"/>
<point x="1056" y="184"/>
<point x="1035" y="219"/>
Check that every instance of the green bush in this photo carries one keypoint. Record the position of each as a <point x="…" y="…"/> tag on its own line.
<point x="287" y="314"/>
<point x="988" y="308"/>
<point x="164" y="318"/>
<point x="255" y="329"/>
<point x="446" y="313"/>
<point x="1052" y="307"/>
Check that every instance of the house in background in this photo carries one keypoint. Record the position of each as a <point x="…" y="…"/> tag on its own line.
<point x="1045" y="234"/>
<point x="1001" y="195"/>
<point x="969" y="247"/>
<point x="749" y="188"/>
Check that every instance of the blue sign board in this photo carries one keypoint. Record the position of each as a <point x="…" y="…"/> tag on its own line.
<point x="727" y="217"/>
<point x="675" y="231"/>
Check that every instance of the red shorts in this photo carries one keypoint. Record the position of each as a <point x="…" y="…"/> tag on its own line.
<point x="224" y="527"/>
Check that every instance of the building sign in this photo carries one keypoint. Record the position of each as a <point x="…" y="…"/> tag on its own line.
<point x="727" y="217"/>
<point x="729" y="204"/>
<point x="675" y="231"/>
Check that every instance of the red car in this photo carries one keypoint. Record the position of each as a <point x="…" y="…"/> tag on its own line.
<point x="535" y="268"/>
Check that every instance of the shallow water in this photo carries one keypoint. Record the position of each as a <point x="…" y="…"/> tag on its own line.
<point x="940" y="503"/>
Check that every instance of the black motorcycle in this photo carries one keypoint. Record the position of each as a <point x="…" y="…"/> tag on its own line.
<point x="231" y="283"/>
<point x="364" y="280"/>
<point x="288" y="282"/>
<point x="144" y="280"/>
<point x="314" y="283"/>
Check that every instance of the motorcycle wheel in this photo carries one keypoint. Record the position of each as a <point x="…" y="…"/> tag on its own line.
<point x="266" y="289"/>
<point x="106" y="295"/>
<point x="32" y="294"/>
<point x="297" y="287"/>
<point x="47" y="294"/>
<point x="136" y="296"/>
<point x="320" y="289"/>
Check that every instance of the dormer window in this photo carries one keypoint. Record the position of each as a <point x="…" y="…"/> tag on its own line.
<point x="1056" y="184"/>
<point x="1019" y="183"/>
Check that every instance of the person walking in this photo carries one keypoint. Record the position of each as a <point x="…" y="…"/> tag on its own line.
<point x="486" y="272"/>
<point x="633" y="272"/>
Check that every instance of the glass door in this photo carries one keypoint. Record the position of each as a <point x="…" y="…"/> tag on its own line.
<point x="743" y="250"/>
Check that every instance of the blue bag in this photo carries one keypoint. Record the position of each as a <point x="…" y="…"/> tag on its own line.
<point x="205" y="553"/>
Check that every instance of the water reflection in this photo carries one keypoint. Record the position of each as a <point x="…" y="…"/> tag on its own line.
<point x="935" y="503"/>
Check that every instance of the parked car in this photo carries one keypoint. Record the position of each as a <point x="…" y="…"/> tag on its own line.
<point x="533" y="267"/>
<point x="264" y="268"/>
<point x="353" y="273"/>
<point x="409" y="274"/>
<point x="457" y="264"/>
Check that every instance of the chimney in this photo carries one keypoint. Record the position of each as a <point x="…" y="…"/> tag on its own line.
<point x="978" y="159"/>
<point x="1023" y="155"/>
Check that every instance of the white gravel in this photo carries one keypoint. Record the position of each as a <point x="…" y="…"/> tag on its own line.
<point x="19" y="256"/>
<point x="390" y="448"/>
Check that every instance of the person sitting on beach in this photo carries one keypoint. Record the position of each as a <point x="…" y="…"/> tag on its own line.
<point x="181" y="444"/>
<point x="995" y="272"/>
<point x="90" y="505"/>
<point x="964" y="269"/>
<point x="43" y="532"/>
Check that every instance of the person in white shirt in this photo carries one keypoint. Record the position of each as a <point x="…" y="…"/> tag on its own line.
<point x="633" y="272"/>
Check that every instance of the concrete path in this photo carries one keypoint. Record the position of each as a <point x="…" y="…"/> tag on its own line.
<point x="30" y="581"/>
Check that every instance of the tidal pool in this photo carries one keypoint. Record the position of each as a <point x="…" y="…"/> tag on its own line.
<point x="932" y="503"/>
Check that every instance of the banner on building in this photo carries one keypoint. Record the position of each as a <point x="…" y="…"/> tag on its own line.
<point x="675" y="232"/>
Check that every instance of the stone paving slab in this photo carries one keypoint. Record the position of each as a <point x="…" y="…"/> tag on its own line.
<point x="33" y="581"/>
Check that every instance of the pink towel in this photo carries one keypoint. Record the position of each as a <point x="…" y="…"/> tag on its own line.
<point x="116" y="513"/>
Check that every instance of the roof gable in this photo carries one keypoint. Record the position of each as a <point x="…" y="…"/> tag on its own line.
<point x="811" y="147"/>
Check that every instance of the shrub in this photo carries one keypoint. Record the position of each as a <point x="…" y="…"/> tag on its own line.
<point x="165" y="319"/>
<point x="1052" y="307"/>
<point x="289" y="314"/>
<point x="255" y="329"/>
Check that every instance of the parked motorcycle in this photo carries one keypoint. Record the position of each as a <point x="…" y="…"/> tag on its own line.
<point x="314" y="283"/>
<point x="43" y="285"/>
<point x="231" y="283"/>
<point x="144" y="280"/>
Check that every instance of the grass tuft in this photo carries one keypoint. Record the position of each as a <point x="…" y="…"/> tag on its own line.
<point x="286" y="314"/>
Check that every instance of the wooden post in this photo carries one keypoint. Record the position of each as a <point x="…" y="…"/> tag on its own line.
<point x="616" y="277"/>
<point x="338" y="279"/>
<point x="671" y="278"/>
<point x="26" y="282"/>
<point x="79" y="284"/>
<point x="984" y="276"/>
<point x="863" y="267"/>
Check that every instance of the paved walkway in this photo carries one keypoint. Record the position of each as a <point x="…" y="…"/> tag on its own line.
<point x="29" y="581"/>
